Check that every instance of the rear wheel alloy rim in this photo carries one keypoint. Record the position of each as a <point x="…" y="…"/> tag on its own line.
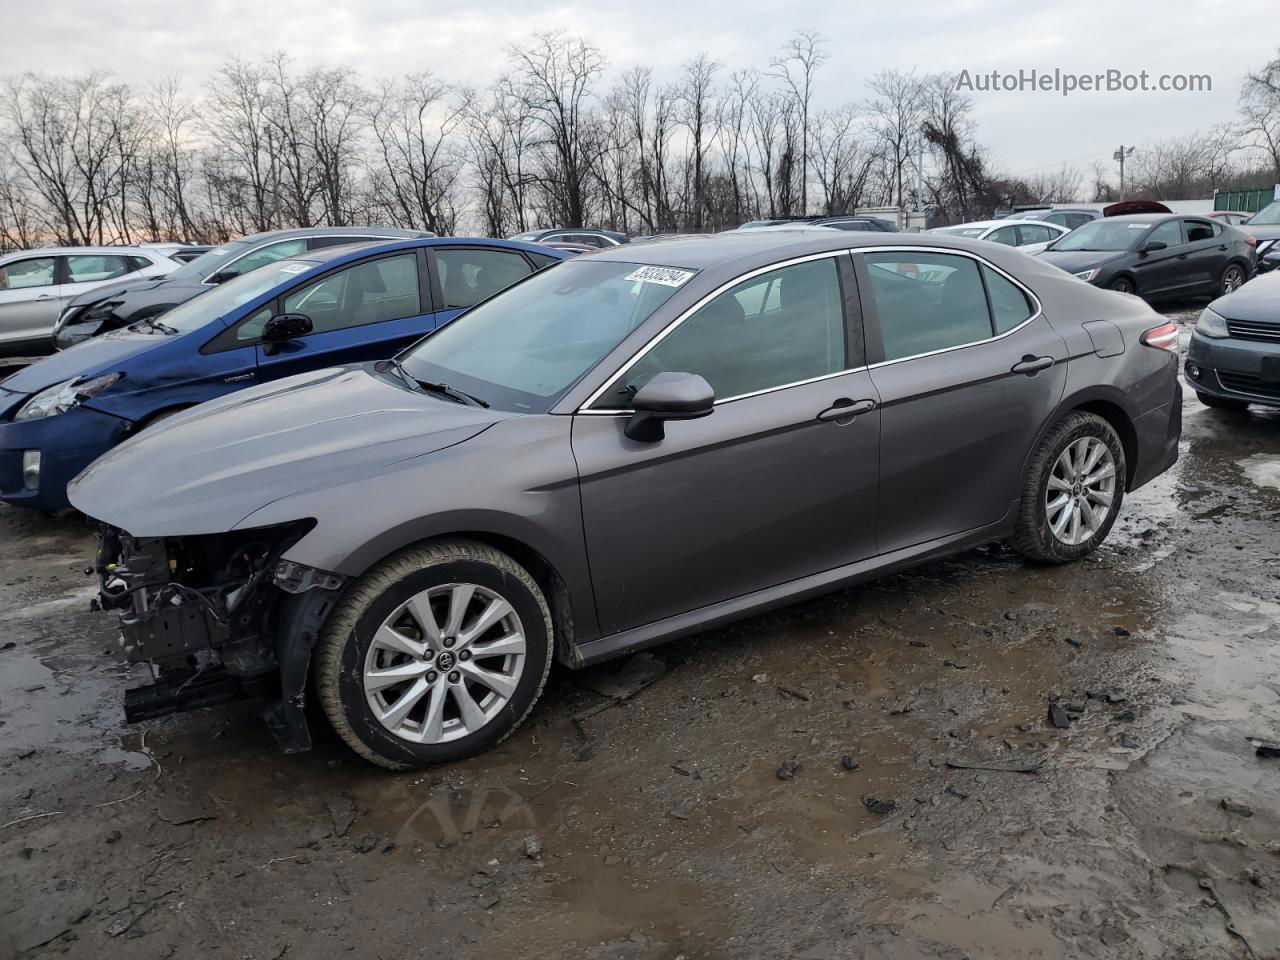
<point x="1232" y="280"/>
<point x="1081" y="488"/>
<point x="445" y="663"/>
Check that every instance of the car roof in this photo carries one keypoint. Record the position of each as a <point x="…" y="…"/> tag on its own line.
<point x="738" y="250"/>
<point x="335" y="232"/>
<point x="356" y="249"/>
<point x="93" y="251"/>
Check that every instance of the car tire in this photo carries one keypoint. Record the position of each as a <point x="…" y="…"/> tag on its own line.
<point x="1232" y="278"/>
<point x="1220" y="403"/>
<point x="1037" y="535"/>
<point x="1122" y="285"/>
<point x="377" y="630"/>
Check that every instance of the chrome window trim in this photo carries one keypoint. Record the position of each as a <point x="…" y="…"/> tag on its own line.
<point x="1035" y="314"/>
<point x="886" y="248"/>
<point x="724" y="287"/>
<point x="355" y="238"/>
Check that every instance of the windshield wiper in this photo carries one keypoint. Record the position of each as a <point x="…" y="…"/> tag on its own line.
<point x="441" y="388"/>
<point x="452" y="393"/>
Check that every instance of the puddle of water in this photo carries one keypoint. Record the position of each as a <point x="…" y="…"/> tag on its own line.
<point x="1262" y="469"/>
<point x="41" y="707"/>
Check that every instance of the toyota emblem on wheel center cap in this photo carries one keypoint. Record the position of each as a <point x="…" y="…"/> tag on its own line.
<point x="446" y="661"/>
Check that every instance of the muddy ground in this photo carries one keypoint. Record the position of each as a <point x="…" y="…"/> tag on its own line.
<point x="660" y="827"/>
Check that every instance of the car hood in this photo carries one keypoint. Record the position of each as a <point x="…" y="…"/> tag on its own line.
<point x="105" y="354"/>
<point x="1257" y="301"/>
<point x="1075" y="261"/>
<point x="206" y="470"/>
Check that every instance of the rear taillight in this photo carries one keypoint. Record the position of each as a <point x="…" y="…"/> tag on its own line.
<point x="1165" y="337"/>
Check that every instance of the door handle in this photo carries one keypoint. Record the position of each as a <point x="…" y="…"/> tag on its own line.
<point x="846" y="409"/>
<point x="46" y="296"/>
<point x="1182" y="256"/>
<point x="1222" y="246"/>
<point x="1030" y="365"/>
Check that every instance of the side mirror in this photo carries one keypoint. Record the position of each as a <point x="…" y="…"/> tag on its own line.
<point x="668" y="396"/>
<point x="285" y="327"/>
<point x="222" y="276"/>
<point x="1153" y="246"/>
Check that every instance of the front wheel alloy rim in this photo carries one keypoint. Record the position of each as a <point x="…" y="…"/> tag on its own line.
<point x="1081" y="488"/>
<point x="444" y="663"/>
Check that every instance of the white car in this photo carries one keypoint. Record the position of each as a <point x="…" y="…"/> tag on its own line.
<point x="1029" y="236"/>
<point x="34" y="285"/>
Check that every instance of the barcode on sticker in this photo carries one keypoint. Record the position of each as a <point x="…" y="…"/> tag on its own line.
<point x="667" y="276"/>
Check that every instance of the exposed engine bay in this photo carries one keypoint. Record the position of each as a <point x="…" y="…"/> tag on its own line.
<point x="204" y="611"/>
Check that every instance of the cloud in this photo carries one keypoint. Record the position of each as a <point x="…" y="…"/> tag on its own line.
<point x="467" y="43"/>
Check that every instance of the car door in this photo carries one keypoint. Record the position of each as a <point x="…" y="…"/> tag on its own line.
<point x="778" y="483"/>
<point x="369" y="310"/>
<point x="967" y="370"/>
<point x="462" y="276"/>
<point x="1162" y="272"/>
<point x="30" y="297"/>
<point x="1206" y="254"/>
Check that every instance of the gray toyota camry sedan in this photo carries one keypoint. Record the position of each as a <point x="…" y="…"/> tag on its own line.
<point x="623" y="448"/>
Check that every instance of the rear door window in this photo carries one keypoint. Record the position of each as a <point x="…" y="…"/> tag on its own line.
<point x="1034" y="233"/>
<point x="927" y="301"/>
<point x="469" y="275"/>
<point x="84" y="268"/>
<point x="1006" y="235"/>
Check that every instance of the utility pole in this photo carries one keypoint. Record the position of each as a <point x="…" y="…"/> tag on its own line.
<point x="1120" y="155"/>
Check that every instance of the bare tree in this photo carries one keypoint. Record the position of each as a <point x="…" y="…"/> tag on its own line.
<point x="237" y="117"/>
<point x="697" y="115"/>
<point x="898" y="109"/>
<point x="414" y="122"/>
<point x="1260" y="107"/>
<point x="800" y="60"/>
<point x="553" y="78"/>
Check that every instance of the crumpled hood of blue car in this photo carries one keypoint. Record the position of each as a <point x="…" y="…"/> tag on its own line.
<point x="100" y="355"/>
<point x="205" y="470"/>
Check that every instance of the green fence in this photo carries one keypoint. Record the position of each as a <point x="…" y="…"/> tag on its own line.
<point x="1246" y="201"/>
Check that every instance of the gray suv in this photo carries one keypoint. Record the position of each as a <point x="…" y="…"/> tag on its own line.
<point x="622" y="448"/>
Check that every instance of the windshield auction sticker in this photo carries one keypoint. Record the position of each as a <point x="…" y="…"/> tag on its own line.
<point x="667" y="276"/>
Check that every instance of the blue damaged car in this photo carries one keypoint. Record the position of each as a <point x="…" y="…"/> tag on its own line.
<point x="325" y="307"/>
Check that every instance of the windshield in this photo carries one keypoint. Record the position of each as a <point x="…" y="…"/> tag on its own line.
<point x="523" y="348"/>
<point x="209" y="262"/>
<point x="225" y="297"/>
<point x="961" y="231"/>
<point x="1102" y="235"/>
<point x="1268" y="216"/>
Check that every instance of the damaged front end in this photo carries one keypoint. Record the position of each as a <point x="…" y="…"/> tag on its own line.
<point x="218" y="617"/>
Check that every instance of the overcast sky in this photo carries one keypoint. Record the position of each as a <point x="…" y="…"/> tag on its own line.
<point x="465" y="42"/>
